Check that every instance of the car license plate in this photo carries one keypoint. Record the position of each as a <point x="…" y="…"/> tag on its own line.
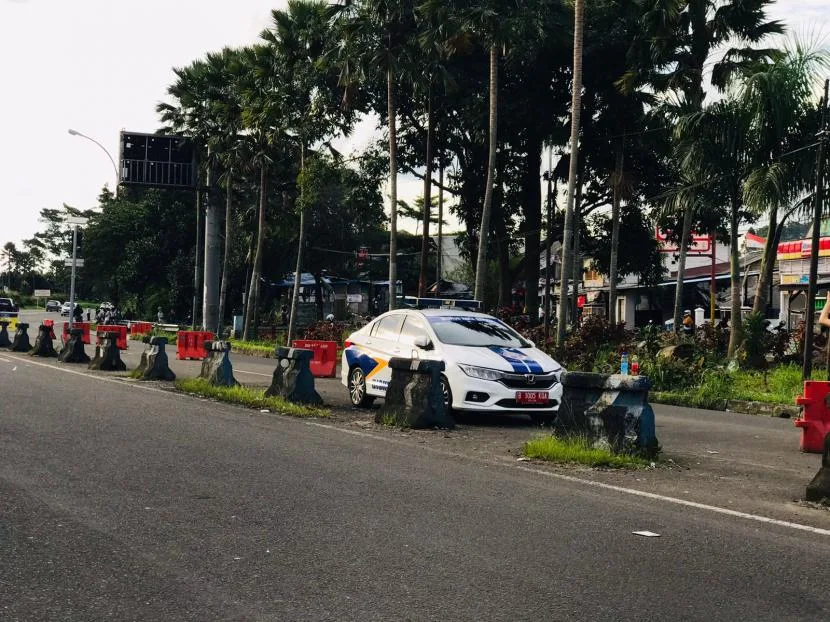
<point x="531" y="397"/>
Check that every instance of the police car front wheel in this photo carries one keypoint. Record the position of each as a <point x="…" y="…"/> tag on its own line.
<point x="357" y="389"/>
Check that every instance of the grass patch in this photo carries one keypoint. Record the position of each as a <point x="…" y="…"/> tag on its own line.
<point x="781" y="385"/>
<point x="262" y="349"/>
<point x="577" y="450"/>
<point x="245" y="396"/>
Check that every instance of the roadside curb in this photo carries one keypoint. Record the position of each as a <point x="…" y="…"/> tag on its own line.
<point x="745" y="407"/>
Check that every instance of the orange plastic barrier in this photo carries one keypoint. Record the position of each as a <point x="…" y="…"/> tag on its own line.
<point x="51" y="325"/>
<point x="82" y="325"/>
<point x="189" y="344"/>
<point x="324" y="363"/>
<point x="815" y="419"/>
<point x="120" y="330"/>
<point x="141" y="328"/>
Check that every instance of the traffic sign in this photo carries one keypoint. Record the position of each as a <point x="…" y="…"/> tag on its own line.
<point x="79" y="263"/>
<point x="43" y="293"/>
<point x="77" y="220"/>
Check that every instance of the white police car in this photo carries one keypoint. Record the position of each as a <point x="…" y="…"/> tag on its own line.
<point x="489" y="367"/>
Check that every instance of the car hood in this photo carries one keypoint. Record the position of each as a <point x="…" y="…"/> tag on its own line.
<point x="515" y="360"/>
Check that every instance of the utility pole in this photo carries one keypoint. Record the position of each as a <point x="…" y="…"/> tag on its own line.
<point x="75" y="222"/>
<point x="547" y="246"/>
<point x="807" y="366"/>
<point x="210" y="297"/>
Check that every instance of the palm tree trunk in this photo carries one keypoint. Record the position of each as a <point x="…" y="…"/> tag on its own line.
<point x="427" y="211"/>
<point x="393" y="191"/>
<point x="223" y="293"/>
<point x="759" y="305"/>
<point x="481" y="259"/>
<point x="577" y="261"/>
<point x="298" y="272"/>
<point x="735" y="278"/>
<point x="576" y="109"/>
<point x="688" y="213"/>
<point x="440" y="255"/>
<point x="197" y="277"/>
<point x="253" y="292"/>
<point x="533" y="228"/>
<point x="615" y="236"/>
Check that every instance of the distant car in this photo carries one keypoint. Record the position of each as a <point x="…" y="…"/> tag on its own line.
<point x="7" y="306"/>
<point x="66" y="308"/>
<point x="53" y="306"/>
<point x="106" y="306"/>
<point x="489" y="367"/>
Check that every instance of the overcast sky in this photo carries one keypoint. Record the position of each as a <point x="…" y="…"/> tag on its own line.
<point x="100" y="66"/>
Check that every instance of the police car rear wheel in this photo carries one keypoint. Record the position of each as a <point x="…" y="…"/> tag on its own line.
<point x="357" y="389"/>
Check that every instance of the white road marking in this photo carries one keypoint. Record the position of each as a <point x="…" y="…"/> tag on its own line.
<point x="254" y="373"/>
<point x="595" y="484"/>
<point x="5" y="360"/>
<point x="560" y="476"/>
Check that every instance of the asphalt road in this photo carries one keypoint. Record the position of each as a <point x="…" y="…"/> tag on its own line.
<point x="125" y="502"/>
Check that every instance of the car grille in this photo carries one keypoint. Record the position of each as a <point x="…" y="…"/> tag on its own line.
<point x="521" y="381"/>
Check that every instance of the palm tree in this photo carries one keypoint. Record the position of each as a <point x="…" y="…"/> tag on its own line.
<point x="672" y="55"/>
<point x="300" y="40"/>
<point x="716" y="143"/>
<point x="567" y="235"/>
<point x="262" y="100"/>
<point x="779" y="97"/>
<point x="376" y="38"/>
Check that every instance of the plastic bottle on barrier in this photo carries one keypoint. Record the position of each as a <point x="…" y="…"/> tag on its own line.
<point x="624" y="364"/>
<point x="635" y="366"/>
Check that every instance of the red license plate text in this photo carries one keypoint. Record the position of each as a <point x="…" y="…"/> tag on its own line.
<point x="531" y="397"/>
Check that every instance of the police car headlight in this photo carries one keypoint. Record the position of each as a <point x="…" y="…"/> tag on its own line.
<point x="482" y="373"/>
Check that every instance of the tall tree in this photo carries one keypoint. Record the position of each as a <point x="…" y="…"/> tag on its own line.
<point x="780" y="97"/>
<point x="576" y="109"/>
<point x="673" y="54"/>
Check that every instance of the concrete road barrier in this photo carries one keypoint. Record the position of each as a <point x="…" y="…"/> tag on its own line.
<point x="414" y="398"/>
<point x="73" y="350"/>
<point x="216" y="364"/>
<point x="21" y="341"/>
<point x="5" y="342"/>
<point x="292" y="378"/>
<point x="43" y="343"/>
<point x="107" y="355"/>
<point x="818" y="490"/>
<point x="612" y="410"/>
<point x="154" y="363"/>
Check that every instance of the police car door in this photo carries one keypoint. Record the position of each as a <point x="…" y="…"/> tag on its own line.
<point x="384" y="346"/>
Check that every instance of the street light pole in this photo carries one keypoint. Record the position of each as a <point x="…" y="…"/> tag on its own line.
<point x="104" y="149"/>
<point x="72" y="280"/>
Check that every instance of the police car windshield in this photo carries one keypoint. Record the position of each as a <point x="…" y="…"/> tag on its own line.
<point x="465" y="330"/>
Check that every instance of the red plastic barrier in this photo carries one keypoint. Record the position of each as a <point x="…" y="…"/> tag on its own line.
<point x="141" y="328"/>
<point x="82" y="325"/>
<point x="51" y="325"/>
<point x="324" y="363"/>
<point x="121" y="341"/>
<point x="815" y="418"/>
<point x="189" y="344"/>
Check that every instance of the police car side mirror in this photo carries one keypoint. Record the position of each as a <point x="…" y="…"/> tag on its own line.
<point x="422" y="341"/>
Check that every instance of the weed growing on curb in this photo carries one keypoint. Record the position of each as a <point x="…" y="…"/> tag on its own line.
<point x="577" y="449"/>
<point x="246" y="396"/>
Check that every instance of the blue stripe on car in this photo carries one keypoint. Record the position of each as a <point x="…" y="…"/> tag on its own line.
<point x="519" y="361"/>
<point x="364" y="361"/>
